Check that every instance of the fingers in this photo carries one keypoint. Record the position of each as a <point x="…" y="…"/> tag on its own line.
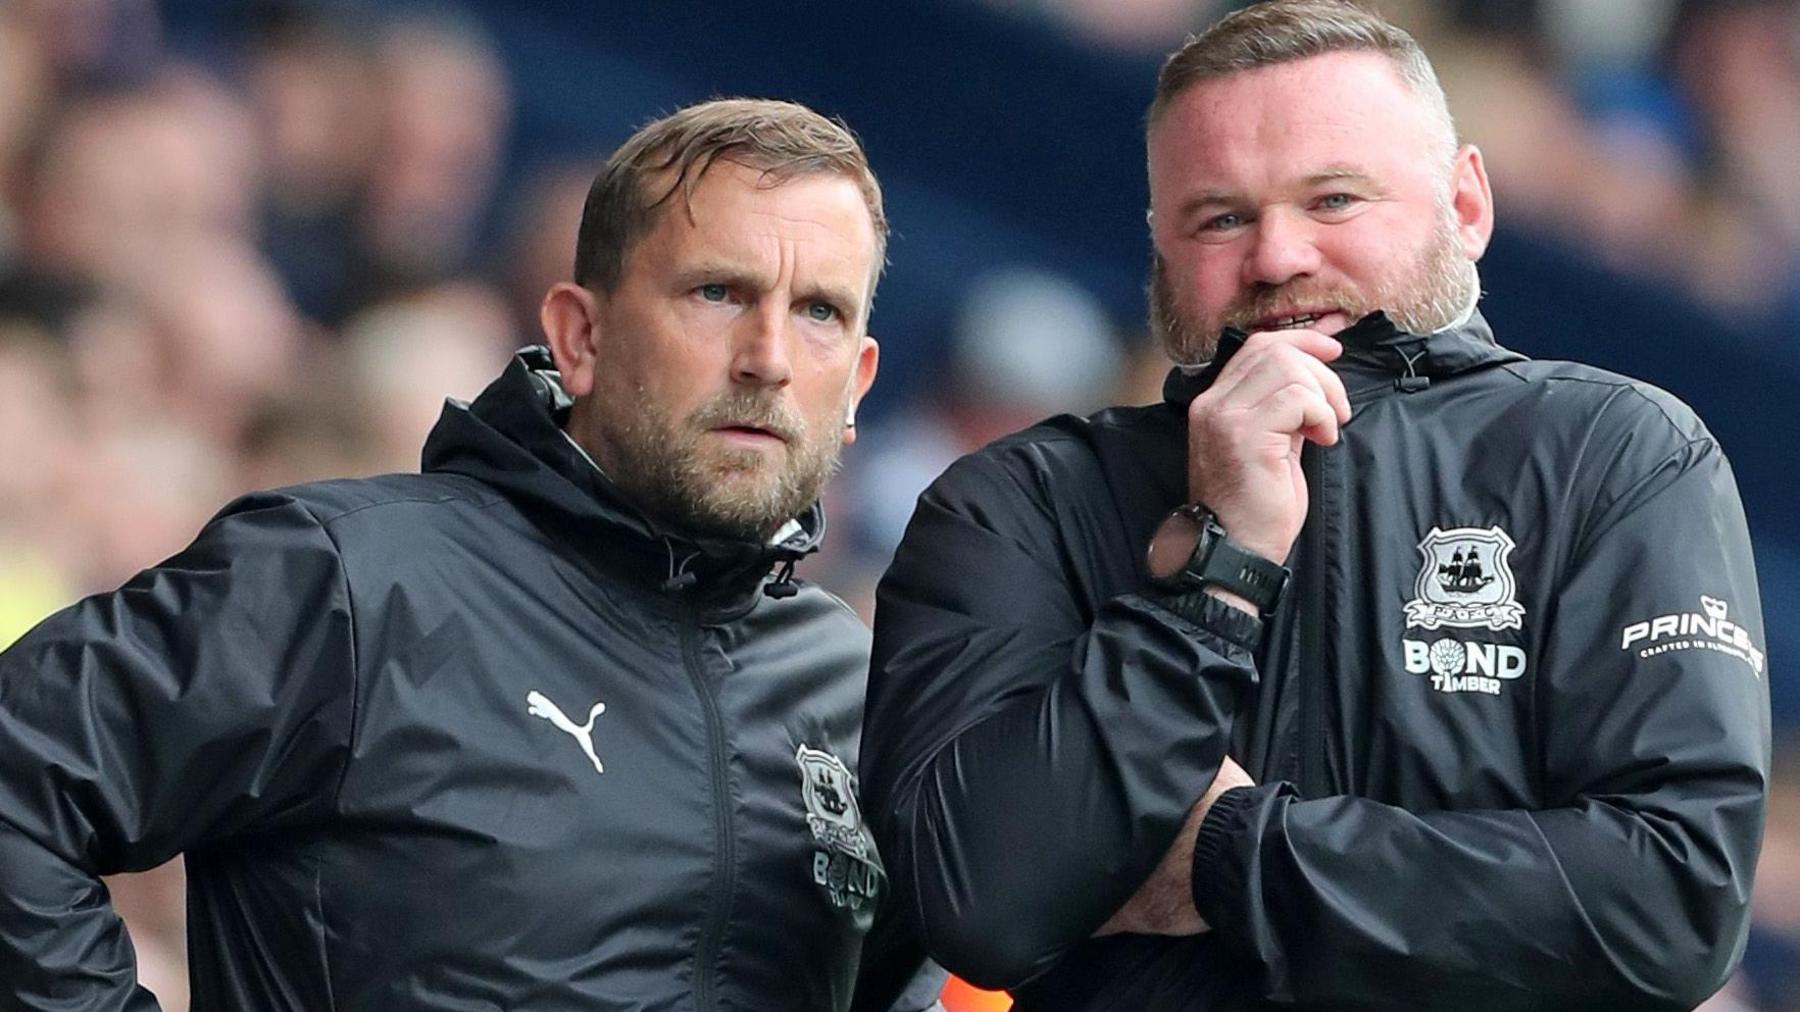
<point x="1287" y="393"/>
<point x="1271" y="362"/>
<point x="1258" y="347"/>
<point x="1245" y="432"/>
<point x="1299" y="407"/>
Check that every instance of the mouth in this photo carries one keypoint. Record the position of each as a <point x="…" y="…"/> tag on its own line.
<point x="754" y="435"/>
<point x="1326" y="321"/>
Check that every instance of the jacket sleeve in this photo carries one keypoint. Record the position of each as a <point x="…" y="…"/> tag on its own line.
<point x="1629" y="887"/>
<point x="1005" y="720"/>
<point x="209" y="696"/>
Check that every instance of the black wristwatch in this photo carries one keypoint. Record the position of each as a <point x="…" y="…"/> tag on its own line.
<point x="1190" y="552"/>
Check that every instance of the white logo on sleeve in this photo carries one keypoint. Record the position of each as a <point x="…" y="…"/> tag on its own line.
<point x="1465" y="581"/>
<point x="1710" y="628"/>
<point x="539" y="705"/>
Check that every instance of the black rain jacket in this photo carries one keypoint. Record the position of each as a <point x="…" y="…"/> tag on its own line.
<point x="1510" y="720"/>
<point x="477" y="738"/>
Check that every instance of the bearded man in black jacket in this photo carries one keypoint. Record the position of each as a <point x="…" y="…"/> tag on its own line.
<point x="534" y="729"/>
<point x="1378" y="667"/>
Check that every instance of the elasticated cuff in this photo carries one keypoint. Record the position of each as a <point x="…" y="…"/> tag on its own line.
<point x="1211" y="615"/>
<point x="1218" y="879"/>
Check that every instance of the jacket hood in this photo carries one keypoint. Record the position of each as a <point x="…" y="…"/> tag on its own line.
<point x="511" y="438"/>
<point x="1377" y="354"/>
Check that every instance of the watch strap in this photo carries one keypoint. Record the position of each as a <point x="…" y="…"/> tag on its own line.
<point x="1246" y="574"/>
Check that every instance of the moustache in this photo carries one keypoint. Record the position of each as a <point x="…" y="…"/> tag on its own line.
<point x="1285" y="301"/>
<point x="749" y="411"/>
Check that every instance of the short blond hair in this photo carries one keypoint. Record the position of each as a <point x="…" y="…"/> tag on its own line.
<point x="1283" y="31"/>
<point x="784" y="140"/>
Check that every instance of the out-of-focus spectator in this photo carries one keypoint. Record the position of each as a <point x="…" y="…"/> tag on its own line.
<point x="140" y="490"/>
<point x="35" y="424"/>
<point x="445" y="104"/>
<point x="24" y="91"/>
<point x="406" y="356"/>
<point x="541" y="233"/>
<point x="1125" y="26"/>
<point x="86" y="42"/>
<point x="1771" y="971"/>
<point x="1739" y="63"/>
<point x="319" y="428"/>
<point x="120" y="178"/>
<point x="224" y="335"/>
<point x="1025" y="345"/>
<point x="311" y="81"/>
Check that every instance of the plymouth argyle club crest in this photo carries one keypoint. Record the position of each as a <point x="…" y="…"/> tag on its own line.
<point x="1465" y="581"/>
<point x="844" y="864"/>
<point x="831" y="809"/>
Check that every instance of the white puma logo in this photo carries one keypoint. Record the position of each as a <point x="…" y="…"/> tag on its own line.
<point x="539" y="705"/>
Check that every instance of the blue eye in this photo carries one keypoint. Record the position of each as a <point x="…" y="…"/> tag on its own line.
<point x="822" y="312"/>
<point x="1222" y="223"/>
<point x="1336" y="201"/>
<point x="714" y="293"/>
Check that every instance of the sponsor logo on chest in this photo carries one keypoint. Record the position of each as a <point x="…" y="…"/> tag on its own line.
<point x="1465" y="581"/>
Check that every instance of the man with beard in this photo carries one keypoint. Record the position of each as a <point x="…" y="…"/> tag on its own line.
<point x="550" y="725"/>
<point x="1378" y="666"/>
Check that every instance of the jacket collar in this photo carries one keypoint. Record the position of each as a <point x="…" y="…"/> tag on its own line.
<point x="1378" y="356"/>
<point x="511" y="437"/>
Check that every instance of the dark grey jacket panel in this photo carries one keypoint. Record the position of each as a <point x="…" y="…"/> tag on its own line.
<point x="1511" y="717"/>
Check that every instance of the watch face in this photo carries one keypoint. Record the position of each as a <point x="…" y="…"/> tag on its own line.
<point x="1173" y="545"/>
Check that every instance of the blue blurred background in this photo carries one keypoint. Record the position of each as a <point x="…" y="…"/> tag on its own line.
<point x="251" y="242"/>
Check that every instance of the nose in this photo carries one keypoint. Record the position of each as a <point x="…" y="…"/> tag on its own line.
<point x="1283" y="249"/>
<point x="759" y="355"/>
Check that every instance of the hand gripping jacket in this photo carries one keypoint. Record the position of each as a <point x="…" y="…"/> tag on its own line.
<point x="1510" y="721"/>
<point x="446" y="741"/>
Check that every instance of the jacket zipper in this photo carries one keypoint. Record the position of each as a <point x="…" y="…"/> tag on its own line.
<point x="1312" y="619"/>
<point x="707" y="953"/>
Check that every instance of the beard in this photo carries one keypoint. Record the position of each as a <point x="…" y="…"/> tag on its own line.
<point x="671" y="471"/>
<point x="1432" y="293"/>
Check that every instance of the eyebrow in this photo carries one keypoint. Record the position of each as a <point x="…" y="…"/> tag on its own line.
<point x="717" y="272"/>
<point x="1210" y="198"/>
<point x="1336" y="173"/>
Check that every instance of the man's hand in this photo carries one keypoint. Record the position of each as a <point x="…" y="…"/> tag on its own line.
<point x="1246" y="430"/>
<point x="1164" y="904"/>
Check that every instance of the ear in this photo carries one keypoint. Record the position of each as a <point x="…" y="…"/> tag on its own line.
<point x="862" y="376"/>
<point x="1472" y="200"/>
<point x="571" y="319"/>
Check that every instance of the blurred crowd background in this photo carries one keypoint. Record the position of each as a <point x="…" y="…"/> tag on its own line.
<point x="246" y="243"/>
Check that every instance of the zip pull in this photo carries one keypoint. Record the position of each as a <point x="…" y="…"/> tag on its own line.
<point x="679" y="577"/>
<point x="1412" y="382"/>
<point x="783" y="584"/>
